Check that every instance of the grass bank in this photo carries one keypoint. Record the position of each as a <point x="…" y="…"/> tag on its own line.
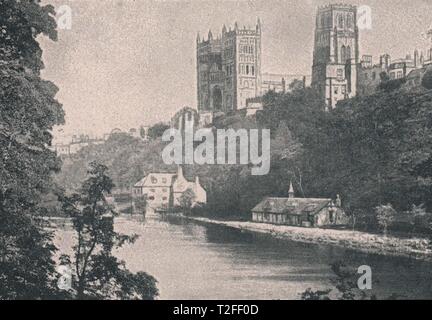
<point x="418" y="248"/>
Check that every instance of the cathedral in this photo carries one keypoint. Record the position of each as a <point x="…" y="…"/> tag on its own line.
<point x="228" y="69"/>
<point x="336" y="53"/>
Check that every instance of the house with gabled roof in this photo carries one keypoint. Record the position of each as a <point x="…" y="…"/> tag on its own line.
<point x="302" y="212"/>
<point x="164" y="190"/>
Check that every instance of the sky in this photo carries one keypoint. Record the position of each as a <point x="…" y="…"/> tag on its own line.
<point x="126" y="63"/>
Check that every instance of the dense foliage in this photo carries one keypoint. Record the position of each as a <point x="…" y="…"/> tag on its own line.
<point x="372" y="150"/>
<point x="28" y="111"/>
<point x="98" y="274"/>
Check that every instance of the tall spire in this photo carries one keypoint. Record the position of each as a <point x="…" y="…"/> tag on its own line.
<point x="235" y="26"/>
<point x="198" y="37"/>
<point x="291" y="191"/>
<point x="210" y="35"/>
<point x="258" y="26"/>
<point x="224" y="30"/>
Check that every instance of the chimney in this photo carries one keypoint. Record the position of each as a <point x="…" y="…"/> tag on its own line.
<point x="291" y="191"/>
<point x="179" y="172"/>
<point x="338" y="201"/>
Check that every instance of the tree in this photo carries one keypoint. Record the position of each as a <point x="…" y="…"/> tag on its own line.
<point x="296" y="84"/>
<point x="385" y="216"/>
<point x="186" y="201"/>
<point x="28" y="112"/>
<point x="345" y="286"/>
<point x="140" y="203"/>
<point x="99" y="274"/>
<point x="427" y="80"/>
<point x="157" y="130"/>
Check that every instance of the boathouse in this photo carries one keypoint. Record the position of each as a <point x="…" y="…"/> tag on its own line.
<point x="302" y="212"/>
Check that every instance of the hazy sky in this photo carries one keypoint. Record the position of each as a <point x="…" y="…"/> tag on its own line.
<point x="125" y="63"/>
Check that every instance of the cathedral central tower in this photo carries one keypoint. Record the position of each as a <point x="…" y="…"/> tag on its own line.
<point x="229" y="69"/>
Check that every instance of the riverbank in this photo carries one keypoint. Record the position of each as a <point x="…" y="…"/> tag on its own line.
<point x="417" y="248"/>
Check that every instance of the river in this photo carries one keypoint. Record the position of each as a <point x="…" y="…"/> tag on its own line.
<point x="198" y="261"/>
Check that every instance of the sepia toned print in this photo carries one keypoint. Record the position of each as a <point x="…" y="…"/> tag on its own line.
<point x="215" y="150"/>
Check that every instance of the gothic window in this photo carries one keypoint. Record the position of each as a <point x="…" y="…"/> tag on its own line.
<point x="253" y="70"/>
<point x="343" y="54"/>
<point x="348" y="53"/>
<point x="229" y="101"/>
<point x="247" y="69"/>
<point x="217" y="98"/>
<point x="350" y="21"/>
<point x="341" y="21"/>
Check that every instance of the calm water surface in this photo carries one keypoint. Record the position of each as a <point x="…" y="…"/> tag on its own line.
<point x="196" y="261"/>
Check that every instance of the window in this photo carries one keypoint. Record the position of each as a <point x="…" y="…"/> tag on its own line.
<point x="343" y="90"/>
<point x="247" y="69"/>
<point x="339" y="73"/>
<point x="348" y="54"/>
<point x="151" y="198"/>
<point x="336" y="90"/>
<point x="350" y="21"/>
<point x="341" y="21"/>
<point x="343" y="54"/>
<point x="253" y="70"/>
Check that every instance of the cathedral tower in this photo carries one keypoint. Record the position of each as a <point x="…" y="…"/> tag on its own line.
<point x="336" y="53"/>
<point x="229" y="69"/>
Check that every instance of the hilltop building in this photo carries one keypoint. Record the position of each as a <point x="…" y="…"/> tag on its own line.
<point x="301" y="212"/>
<point x="336" y="53"/>
<point x="228" y="69"/>
<point x="281" y="82"/>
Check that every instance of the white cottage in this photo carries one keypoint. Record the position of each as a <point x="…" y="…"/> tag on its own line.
<point x="164" y="190"/>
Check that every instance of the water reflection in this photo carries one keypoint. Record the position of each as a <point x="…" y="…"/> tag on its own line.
<point x="196" y="261"/>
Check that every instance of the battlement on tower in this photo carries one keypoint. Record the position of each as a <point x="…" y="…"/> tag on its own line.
<point x="337" y="6"/>
<point x="252" y="31"/>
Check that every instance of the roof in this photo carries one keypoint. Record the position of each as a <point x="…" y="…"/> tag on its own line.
<point x="156" y="180"/>
<point x="293" y="206"/>
<point x="416" y="73"/>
